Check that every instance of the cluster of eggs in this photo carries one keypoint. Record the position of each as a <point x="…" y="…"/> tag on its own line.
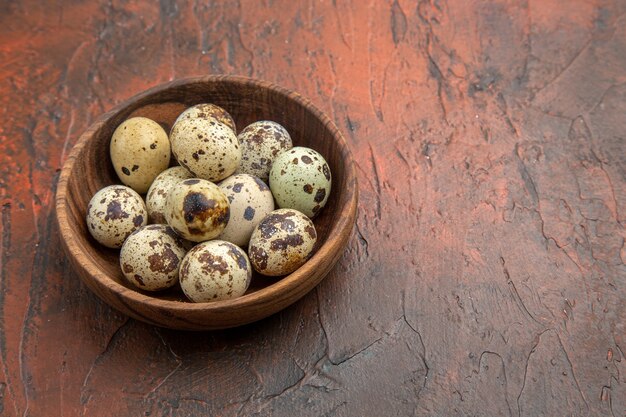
<point x="199" y="216"/>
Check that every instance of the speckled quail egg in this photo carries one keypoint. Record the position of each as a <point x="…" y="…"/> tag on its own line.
<point x="157" y="194"/>
<point x="250" y="200"/>
<point x="197" y="210"/>
<point x="282" y="242"/>
<point x="300" y="179"/>
<point x="140" y="150"/>
<point x="114" y="213"/>
<point x="209" y="111"/>
<point x="261" y="143"/>
<point x="150" y="257"/>
<point x="206" y="147"/>
<point x="215" y="270"/>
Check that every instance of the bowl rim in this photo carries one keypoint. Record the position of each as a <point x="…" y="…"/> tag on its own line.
<point x="286" y="284"/>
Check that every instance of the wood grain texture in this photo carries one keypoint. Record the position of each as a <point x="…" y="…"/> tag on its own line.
<point x="486" y="275"/>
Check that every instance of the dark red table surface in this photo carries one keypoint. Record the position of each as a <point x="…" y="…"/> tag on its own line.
<point x="486" y="273"/>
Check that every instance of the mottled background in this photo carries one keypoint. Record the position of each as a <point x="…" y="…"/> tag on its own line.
<point x="486" y="273"/>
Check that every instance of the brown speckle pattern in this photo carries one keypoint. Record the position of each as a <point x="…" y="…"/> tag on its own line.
<point x="197" y="205"/>
<point x="113" y="213"/>
<point x="159" y="190"/>
<point x="208" y="149"/>
<point x="237" y="254"/>
<point x="282" y="242"/>
<point x="210" y="112"/>
<point x="215" y="270"/>
<point x="262" y="186"/>
<point x="138" y="220"/>
<point x="248" y="213"/>
<point x="320" y="195"/>
<point x="197" y="209"/>
<point x="261" y="143"/>
<point x="311" y="232"/>
<point x="250" y="200"/>
<point x="150" y="257"/>
<point x="140" y="151"/>
<point x="258" y="258"/>
<point x="326" y="171"/>
<point x="303" y="186"/>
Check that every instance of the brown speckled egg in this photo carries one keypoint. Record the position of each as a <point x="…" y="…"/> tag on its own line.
<point x="301" y="179"/>
<point x="282" y="242"/>
<point x="140" y="150"/>
<point x="215" y="270"/>
<point x="209" y="111"/>
<point x="197" y="210"/>
<point x="261" y="143"/>
<point x="206" y="147"/>
<point x="114" y="213"/>
<point x="157" y="194"/>
<point x="150" y="257"/>
<point x="250" y="201"/>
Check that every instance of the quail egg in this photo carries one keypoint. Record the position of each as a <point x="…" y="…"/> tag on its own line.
<point x="206" y="147"/>
<point x="140" y="150"/>
<point x="282" y="242"/>
<point x="250" y="200"/>
<point x="114" y="213"/>
<point x="215" y="270"/>
<point x="300" y="179"/>
<point x="209" y="111"/>
<point x="261" y="143"/>
<point x="197" y="210"/>
<point x="150" y="257"/>
<point x="157" y="194"/>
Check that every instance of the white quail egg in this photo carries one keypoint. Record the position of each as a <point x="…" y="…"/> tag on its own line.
<point x="261" y="143"/>
<point x="215" y="270"/>
<point x="282" y="242"/>
<point x="114" y="213"/>
<point x="250" y="200"/>
<point x="150" y="257"/>
<point x="209" y="111"/>
<point x="157" y="194"/>
<point x="206" y="147"/>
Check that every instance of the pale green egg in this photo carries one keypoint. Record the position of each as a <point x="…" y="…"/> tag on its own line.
<point x="300" y="179"/>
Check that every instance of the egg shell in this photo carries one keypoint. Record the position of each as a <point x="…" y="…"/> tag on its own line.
<point x="150" y="257"/>
<point x="160" y="188"/>
<point x="282" y="242"/>
<point x="250" y="200"/>
<point x="261" y="143"/>
<point x="215" y="270"/>
<point x="197" y="210"/>
<point x="300" y="179"/>
<point x="208" y="149"/>
<point x="209" y="111"/>
<point x="114" y="213"/>
<point x="140" y="150"/>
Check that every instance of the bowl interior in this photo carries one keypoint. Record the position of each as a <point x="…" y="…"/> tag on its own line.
<point x="247" y="102"/>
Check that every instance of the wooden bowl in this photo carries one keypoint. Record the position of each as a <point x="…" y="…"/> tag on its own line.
<point x="88" y="169"/>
